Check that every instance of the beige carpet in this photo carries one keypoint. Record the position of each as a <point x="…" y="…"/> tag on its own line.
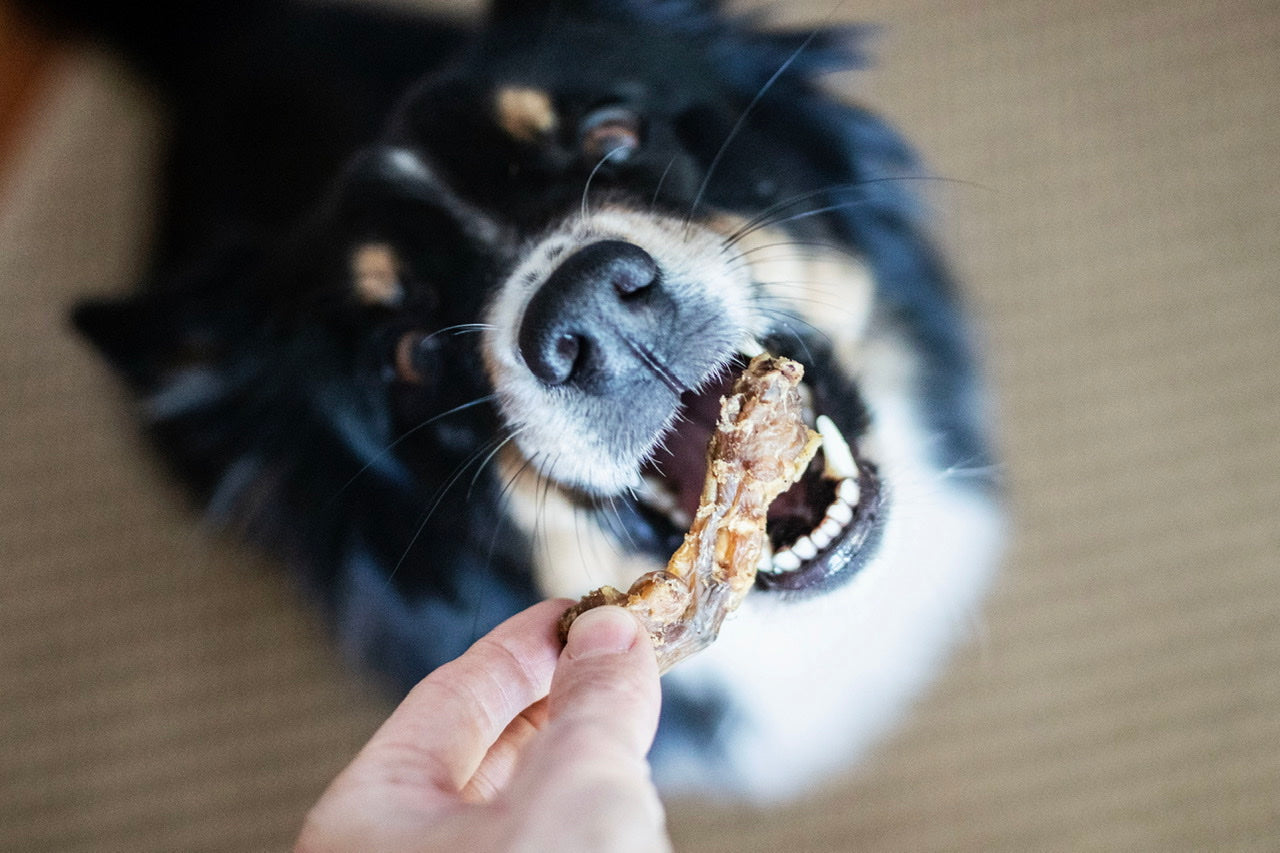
<point x="1120" y="235"/>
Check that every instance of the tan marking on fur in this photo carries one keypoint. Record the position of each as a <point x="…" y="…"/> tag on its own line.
<point x="525" y="114"/>
<point x="829" y="288"/>
<point x="376" y="273"/>
<point x="570" y="550"/>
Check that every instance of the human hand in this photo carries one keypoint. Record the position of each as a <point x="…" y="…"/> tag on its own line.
<point x="513" y="746"/>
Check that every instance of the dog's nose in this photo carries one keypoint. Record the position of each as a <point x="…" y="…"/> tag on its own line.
<point x="585" y="324"/>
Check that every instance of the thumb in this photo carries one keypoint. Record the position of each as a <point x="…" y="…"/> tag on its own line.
<point x="607" y="676"/>
<point x="587" y="774"/>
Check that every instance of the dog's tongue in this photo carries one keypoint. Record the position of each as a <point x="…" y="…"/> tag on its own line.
<point x="681" y="461"/>
<point x="681" y="458"/>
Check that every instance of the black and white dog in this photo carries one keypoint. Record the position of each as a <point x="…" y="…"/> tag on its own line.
<point x="441" y="315"/>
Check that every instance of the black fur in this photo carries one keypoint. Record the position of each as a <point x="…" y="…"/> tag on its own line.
<point x="266" y="382"/>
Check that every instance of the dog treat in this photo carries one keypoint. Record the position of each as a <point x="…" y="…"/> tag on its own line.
<point x="759" y="448"/>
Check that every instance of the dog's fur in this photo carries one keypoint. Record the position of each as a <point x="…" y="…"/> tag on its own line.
<point x="381" y="336"/>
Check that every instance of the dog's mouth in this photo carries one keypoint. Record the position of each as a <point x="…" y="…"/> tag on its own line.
<point x="821" y="531"/>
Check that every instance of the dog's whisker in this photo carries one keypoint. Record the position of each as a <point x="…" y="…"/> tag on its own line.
<point x="805" y="287"/>
<point x="502" y="517"/>
<point x="862" y="185"/>
<point x="774" y="311"/>
<point x="586" y="189"/>
<point x="622" y="525"/>
<point x="405" y="436"/>
<point x="796" y="217"/>
<point x="811" y="249"/>
<point x="657" y="191"/>
<point x="542" y="503"/>
<point x="763" y="218"/>
<point x="781" y="205"/>
<point x="783" y="326"/>
<point x="487" y="459"/>
<point x="742" y="120"/>
<point x="465" y="327"/>
<point x="437" y="499"/>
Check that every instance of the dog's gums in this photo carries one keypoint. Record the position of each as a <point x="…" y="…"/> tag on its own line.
<point x="820" y="531"/>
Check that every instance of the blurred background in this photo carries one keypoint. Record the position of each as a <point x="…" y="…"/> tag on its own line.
<point x="1118" y="231"/>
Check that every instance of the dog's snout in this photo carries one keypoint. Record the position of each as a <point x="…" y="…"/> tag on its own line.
<point x="584" y="323"/>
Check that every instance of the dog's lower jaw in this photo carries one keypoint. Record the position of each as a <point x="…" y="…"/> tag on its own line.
<point x="807" y="685"/>
<point x="800" y="686"/>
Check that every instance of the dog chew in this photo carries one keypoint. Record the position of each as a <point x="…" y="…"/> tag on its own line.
<point x="759" y="448"/>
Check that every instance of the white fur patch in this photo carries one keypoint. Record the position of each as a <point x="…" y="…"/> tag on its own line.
<point x="809" y="682"/>
<point x="813" y="682"/>
<point x="560" y="439"/>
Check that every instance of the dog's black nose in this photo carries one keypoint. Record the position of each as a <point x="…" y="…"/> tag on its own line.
<point x="586" y="322"/>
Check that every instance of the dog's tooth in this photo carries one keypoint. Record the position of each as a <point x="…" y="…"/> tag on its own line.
<point x="655" y="493"/>
<point x="766" y="557"/>
<point x="806" y="403"/>
<point x="839" y="514"/>
<point x="829" y="528"/>
<point x="820" y="535"/>
<point x="849" y="491"/>
<point x="786" y="561"/>
<point x="659" y="496"/>
<point x="804" y="548"/>
<point x="835" y="450"/>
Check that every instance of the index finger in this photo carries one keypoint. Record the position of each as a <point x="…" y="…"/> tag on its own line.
<point x="441" y="731"/>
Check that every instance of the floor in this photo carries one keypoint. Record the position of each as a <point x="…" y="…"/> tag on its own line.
<point x="1115" y="216"/>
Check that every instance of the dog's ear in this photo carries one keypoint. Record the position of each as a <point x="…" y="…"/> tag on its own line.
<point x="130" y="332"/>
<point x="194" y="319"/>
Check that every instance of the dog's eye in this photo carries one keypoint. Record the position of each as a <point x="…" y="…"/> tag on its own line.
<point x="414" y="357"/>
<point x="612" y="132"/>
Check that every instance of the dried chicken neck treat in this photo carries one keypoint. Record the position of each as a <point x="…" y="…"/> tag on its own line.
<point x="759" y="448"/>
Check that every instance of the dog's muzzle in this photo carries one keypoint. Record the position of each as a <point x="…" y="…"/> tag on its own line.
<point x="596" y="323"/>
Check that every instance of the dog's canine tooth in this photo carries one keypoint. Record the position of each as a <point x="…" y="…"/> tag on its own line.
<point x="766" y="558"/>
<point x="849" y="491"/>
<point x="835" y="450"/>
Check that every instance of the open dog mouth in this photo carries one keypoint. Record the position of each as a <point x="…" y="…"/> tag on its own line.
<point x="821" y="531"/>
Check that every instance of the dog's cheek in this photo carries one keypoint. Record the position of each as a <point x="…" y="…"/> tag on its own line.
<point x="830" y="291"/>
<point x="571" y="553"/>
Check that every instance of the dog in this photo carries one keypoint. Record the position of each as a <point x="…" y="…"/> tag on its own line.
<point x="440" y="315"/>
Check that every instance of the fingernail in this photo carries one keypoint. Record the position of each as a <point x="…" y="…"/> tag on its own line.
<point x="602" y="631"/>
